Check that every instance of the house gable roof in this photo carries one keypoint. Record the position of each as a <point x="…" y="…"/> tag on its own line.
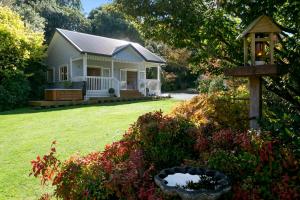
<point x="129" y="53"/>
<point x="262" y="24"/>
<point x="87" y="43"/>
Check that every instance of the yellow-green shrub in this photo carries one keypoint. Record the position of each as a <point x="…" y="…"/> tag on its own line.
<point x="21" y="50"/>
<point x="217" y="109"/>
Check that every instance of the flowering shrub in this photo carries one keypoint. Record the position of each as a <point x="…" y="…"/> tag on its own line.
<point x="166" y="140"/>
<point x="125" y="169"/>
<point x="260" y="165"/>
<point x="46" y="167"/>
<point x="216" y="110"/>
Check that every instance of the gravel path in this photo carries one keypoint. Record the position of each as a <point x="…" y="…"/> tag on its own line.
<point x="180" y="96"/>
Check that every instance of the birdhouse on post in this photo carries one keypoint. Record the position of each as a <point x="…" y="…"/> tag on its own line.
<point x="259" y="40"/>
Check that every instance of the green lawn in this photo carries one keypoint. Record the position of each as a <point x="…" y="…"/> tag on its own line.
<point x="25" y="133"/>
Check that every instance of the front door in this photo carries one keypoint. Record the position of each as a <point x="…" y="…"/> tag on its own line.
<point x="128" y="79"/>
<point x="132" y="80"/>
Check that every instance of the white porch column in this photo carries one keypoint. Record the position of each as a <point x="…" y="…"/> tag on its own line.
<point x="85" y="65"/>
<point x="159" y="78"/>
<point x="158" y="72"/>
<point x="71" y="66"/>
<point x="112" y="68"/>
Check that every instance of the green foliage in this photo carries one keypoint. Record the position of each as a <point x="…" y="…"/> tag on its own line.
<point x="166" y="141"/>
<point x="209" y="29"/>
<point x="14" y="91"/>
<point x="35" y="73"/>
<point x="203" y="86"/>
<point x="177" y="77"/>
<point x="215" y="111"/>
<point x="106" y="21"/>
<point x="280" y="117"/>
<point x="20" y="50"/>
<point x="211" y="84"/>
<point x="259" y="164"/>
<point x="56" y="14"/>
<point x="31" y="17"/>
<point x="216" y="85"/>
<point x="209" y="33"/>
<point x="176" y="74"/>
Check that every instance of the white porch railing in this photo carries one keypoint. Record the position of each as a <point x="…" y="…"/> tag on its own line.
<point x="153" y="86"/>
<point x="98" y="83"/>
<point x="97" y="86"/>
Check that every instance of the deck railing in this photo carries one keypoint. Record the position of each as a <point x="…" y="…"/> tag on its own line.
<point x="97" y="86"/>
<point x="98" y="83"/>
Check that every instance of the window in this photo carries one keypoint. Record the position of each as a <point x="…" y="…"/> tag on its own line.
<point x="105" y="72"/>
<point x="63" y="73"/>
<point x="151" y="72"/>
<point x="142" y="75"/>
<point x="50" y="75"/>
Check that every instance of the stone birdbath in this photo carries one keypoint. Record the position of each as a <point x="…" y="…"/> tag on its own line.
<point x="193" y="183"/>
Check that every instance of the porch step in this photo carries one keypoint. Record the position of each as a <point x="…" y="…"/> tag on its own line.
<point x="130" y="94"/>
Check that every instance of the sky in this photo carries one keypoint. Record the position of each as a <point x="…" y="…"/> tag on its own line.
<point x="88" y="5"/>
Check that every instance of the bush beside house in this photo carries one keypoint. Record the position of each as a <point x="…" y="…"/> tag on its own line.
<point x="21" y="51"/>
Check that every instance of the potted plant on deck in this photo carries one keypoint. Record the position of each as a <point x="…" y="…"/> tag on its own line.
<point x="111" y="92"/>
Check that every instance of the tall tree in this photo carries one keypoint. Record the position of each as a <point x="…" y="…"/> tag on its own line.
<point x="209" y="28"/>
<point x="57" y="14"/>
<point x="8" y="3"/>
<point x="31" y="17"/>
<point x="106" y="21"/>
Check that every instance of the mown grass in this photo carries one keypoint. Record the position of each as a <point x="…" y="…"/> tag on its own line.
<point x="25" y="133"/>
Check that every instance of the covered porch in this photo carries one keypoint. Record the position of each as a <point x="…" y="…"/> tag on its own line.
<point x="100" y="73"/>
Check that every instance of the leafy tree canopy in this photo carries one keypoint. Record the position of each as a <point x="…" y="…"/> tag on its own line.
<point x="57" y="14"/>
<point x="209" y="29"/>
<point x="106" y="21"/>
<point x="18" y="42"/>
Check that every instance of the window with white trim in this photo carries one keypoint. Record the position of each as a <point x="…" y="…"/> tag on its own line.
<point x="63" y="73"/>
<point x="106" y="72"/>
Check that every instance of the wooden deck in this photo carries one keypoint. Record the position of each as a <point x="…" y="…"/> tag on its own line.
<point x="55" y="104"/>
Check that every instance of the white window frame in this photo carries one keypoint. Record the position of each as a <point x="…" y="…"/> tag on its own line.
<point x="102" y="72"/>
<point x="142" y="77"/>
<point x="59" y="72"/>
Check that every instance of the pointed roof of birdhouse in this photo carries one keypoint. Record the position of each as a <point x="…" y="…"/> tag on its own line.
<point x="262" y="24"/>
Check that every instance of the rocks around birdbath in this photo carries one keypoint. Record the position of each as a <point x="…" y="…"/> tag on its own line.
<point x="174" y="181"/>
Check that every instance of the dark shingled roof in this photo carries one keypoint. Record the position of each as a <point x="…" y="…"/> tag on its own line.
<point x="86" y="43"/>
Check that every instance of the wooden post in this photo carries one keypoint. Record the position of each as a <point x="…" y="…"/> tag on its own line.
<point x="252" y="49"/>
<point x="245" y="51"/>
<point x="271" y="35"/>
<point x="255" y="101"/>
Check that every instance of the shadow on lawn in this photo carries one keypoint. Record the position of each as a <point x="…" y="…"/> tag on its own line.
<point x="29" y="110"/>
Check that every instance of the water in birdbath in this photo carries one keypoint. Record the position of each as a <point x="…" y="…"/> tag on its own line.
<point x="181" y="179"/>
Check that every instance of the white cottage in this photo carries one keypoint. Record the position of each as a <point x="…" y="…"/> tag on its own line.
<point x="102" y="63"/>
